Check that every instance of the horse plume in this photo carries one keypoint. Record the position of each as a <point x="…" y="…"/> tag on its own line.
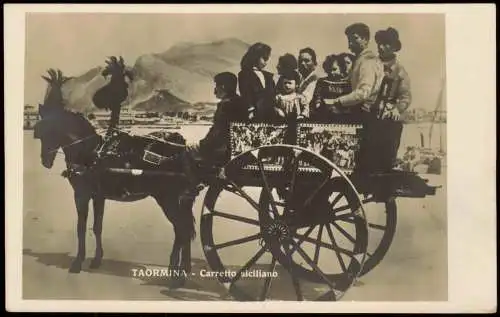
<point x="115" y="92"/>
<point x="53" y="95"/>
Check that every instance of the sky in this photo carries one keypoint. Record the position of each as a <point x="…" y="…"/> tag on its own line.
<point x="76" y="42"/>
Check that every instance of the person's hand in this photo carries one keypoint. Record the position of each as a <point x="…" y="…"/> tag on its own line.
<point x="251" y="113"/>
<point x="280" y="112"/>
<point x="329" y="102"/>
<point x="193" y="147"/>
<point x="392" y="114"/>
<point x="395" y="114"/>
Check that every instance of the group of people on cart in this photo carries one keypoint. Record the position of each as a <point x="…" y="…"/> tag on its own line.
<point x="362" y="87"/>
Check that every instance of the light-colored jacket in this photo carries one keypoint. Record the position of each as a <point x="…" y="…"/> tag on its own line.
<point x="397" y="73"/>
<point x="366" y="77"/>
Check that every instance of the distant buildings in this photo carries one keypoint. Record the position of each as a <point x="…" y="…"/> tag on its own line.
<point x="31" y="117"/>
<point x="422" y="115"/>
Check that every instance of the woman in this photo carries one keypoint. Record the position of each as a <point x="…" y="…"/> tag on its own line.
<point x="257" y="88"/>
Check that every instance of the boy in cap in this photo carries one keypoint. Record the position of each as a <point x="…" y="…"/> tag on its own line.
<point x="395" y="97"/>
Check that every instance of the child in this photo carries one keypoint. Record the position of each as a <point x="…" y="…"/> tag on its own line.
<point x="330" y="87"/>
<point x="291" y="105"/>
<point x="286" y="63"/>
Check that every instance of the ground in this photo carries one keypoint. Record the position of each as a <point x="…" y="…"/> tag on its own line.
<point x="136" y="235"/>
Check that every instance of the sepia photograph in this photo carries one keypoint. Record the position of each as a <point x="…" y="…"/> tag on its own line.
<point x="235" y="157"/>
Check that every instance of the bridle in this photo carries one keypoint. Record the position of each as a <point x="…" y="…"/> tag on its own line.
<point x="73" y="143"/>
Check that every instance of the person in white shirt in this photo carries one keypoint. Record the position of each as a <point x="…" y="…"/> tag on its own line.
<point x="366" y="74"/>
<point x="307" y="68"/>
<point x="366" y="78"/>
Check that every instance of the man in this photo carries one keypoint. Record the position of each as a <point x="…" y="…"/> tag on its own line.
<point x="214" y="147"/>
<point x="307" y="68"/>
<point x="396" y="86"/>
<point x="366" y="74"/>
<point x="366" y="78"/>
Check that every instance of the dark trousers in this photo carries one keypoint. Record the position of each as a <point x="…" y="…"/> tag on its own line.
<point x="379" y="145"/>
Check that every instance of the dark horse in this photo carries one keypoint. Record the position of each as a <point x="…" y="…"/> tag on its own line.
<point x="88" y="173"/>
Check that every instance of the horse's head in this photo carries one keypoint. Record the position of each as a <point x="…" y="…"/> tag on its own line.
<point x="59" y="128"/>
<point x="48" y="131"/>
<point x="116" y="68"/>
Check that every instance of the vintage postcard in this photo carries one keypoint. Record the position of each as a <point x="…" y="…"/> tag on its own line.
<point x="175" y="158"/>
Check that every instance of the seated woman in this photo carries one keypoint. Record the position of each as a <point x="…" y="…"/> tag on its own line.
<point x="328" y="88"/>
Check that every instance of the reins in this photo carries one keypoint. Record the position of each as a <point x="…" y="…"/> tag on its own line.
<point x="74" y="142"/>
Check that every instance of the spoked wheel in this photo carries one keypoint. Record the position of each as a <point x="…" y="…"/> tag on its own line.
<point x="305" y="232"/>
<point x="381" y="218"/>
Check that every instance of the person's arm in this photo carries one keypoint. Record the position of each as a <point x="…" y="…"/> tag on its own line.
<point x="214" y="137"/>
<point x="246" y="93"/>
<point x="404" y="93"/>
<point x="304" y="108"/>
<point x="316" y="99"/>
<point x="367" y="80"/>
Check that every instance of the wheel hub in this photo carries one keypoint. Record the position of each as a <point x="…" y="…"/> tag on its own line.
<point x="276" y="231"/>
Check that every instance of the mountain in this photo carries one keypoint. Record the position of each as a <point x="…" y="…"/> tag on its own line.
<point x="173" y="80"/>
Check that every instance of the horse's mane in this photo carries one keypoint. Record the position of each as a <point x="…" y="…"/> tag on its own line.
<point x="82" y="122"/>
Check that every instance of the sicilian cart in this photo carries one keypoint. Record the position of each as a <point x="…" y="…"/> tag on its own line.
<point x="311" y="215"/>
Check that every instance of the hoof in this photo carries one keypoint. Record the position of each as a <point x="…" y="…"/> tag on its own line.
<point x="176" y="283"/>
<point x="95" y="263"/>
<point x="76" y="267"/>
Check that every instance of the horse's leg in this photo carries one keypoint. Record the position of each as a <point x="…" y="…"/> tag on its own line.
<point x="171" y="210"/>
<point x="188" y="234"/>
<point x="98" y="218"/>
<point x="82" y="208"/>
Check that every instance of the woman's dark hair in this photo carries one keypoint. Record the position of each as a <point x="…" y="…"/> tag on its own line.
<point x="330" y="59"/>
<point x="287" y="62"/>
<point x="253" y="54"/>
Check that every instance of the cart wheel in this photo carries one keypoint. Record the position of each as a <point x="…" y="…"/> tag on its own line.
<point x="382" y="219"/>
<point x="270" y="227"/>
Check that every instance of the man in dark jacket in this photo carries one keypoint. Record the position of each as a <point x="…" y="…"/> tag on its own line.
<point x="214" y="148"/>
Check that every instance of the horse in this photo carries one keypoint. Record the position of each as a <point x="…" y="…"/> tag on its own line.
<point x="88" y="163"/>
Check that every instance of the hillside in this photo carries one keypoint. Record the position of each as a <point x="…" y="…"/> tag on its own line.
<point x="173" y="80"/>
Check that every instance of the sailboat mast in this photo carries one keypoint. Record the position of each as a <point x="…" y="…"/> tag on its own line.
<point x="436" y="111"/>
